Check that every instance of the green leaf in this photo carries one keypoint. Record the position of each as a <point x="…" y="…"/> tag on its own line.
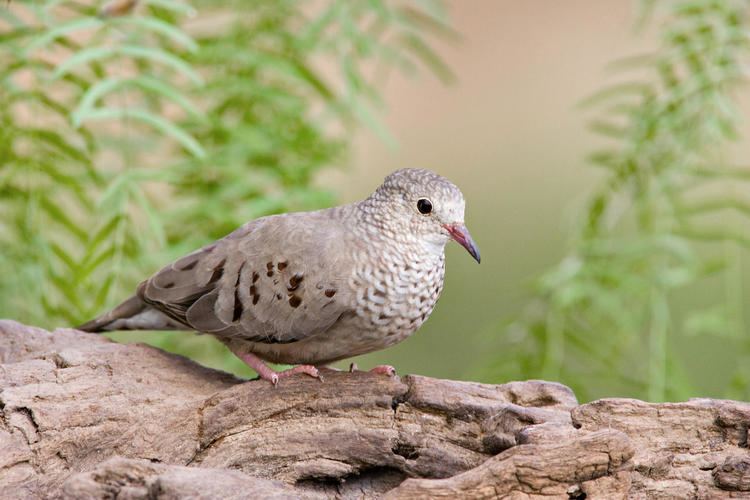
<point x="8" y="38"/>
<point x="625" y="89"/>
<point x="59" y="143"/>
<point x="634" y="61"/>
<point x="427" y="23"/>
<point x="65" y="29"/>
<point x="156" y="25"/>
<point x="40" y="97"/>
<point x="146" y="83"/>
<point x="59" y="216"/>
<point x="72" y="182"/>
<point x="98" y="54"/>
<point x="64" y="256"/>
<point x="103" y="292"/>
<point x="428" y="57"/>
<point x="154" y="221"/>
<point x="93" y="263"/>
<point x="306" y="74"/>
<point x="178" y="7"/>
<point x="104" y="233"/>
<point x="608" y="128"/>
<point x="67" y="289"/>
<point x="161" y="124"/>
<point x="714" y="321"/>
<point x="12" y="19"/>
<point x="363" y="113"/>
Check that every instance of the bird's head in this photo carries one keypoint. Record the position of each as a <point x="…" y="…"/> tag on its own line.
<point x="421" y="204"/>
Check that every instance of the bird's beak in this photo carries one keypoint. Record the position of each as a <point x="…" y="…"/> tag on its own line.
<point x="459" y="233"/>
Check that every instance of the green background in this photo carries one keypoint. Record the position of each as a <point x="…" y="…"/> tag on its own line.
<point x="505" y="123"/>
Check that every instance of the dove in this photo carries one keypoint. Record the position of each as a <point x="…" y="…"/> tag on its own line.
<point x="312" y="288"/>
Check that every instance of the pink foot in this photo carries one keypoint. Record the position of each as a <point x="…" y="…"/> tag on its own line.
<point x="267" y="373"/>
<point x="306" y="369"/>
<point x="387" y="370"/>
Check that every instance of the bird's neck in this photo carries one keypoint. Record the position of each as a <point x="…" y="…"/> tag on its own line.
<point x="375" y="222"/>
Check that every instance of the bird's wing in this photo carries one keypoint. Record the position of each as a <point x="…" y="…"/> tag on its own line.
<point x="275" y="280"/>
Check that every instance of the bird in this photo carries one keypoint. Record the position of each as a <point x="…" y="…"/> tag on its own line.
<point x="312" y="288"/>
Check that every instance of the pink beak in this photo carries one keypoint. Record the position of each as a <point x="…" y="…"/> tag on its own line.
<point x="459" y="233"/>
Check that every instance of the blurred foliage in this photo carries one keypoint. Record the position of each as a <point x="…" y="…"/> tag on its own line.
<point x="133" y="132"/>
<point x="670" y="217"/>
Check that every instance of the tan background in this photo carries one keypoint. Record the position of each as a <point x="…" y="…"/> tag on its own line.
<point x="510" y="134"/>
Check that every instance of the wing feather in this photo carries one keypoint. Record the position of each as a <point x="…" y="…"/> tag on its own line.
<point x="271" y="281"/>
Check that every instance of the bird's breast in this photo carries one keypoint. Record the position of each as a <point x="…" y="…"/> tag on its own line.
<point x="395" y="293"/>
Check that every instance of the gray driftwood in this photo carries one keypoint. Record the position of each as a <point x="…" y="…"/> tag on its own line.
<point x="83" y="417"/>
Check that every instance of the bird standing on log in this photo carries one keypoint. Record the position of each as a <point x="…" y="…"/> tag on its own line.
<point x="311" y="288"/>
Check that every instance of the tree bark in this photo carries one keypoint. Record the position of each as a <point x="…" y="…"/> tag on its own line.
<point x="84" y="417"/>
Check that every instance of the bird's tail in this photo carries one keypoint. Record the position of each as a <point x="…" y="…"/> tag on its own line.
<point x="133" y="314"/>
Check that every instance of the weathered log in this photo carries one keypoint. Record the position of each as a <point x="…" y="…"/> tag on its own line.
<point x="83" y="417"/>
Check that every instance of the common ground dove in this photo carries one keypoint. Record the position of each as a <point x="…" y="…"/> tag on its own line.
<point x="311" y="288"/>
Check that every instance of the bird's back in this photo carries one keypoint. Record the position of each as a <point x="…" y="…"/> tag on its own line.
<point x="277" y="279"/>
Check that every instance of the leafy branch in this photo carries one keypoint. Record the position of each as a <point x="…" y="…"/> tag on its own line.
<point x="668" y="217"/>
<point x="137" y="131"/>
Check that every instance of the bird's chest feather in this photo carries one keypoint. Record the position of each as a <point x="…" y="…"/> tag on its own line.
<point x="396" y="292"/>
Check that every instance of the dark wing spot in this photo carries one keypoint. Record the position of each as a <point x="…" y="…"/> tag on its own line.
<point x="330" y="292"/>
<point x="218" y="272"/>
<point x="237" y="306"/>
<point x="255" y="276"/>
<point x="282" y="265"/>
<point x="278" y="296"/>
<point x="269" y="273"/>
<point x="189" y="266"/>
<point x="295" y="301"/>
<point x="255" y="294"/>
<point x="239" y="273"/>
<point x="294" y="282"/>
<point x="269" y="267"/>
<point x="237" y="302"/>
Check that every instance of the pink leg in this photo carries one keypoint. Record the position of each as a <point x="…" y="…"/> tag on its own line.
<point x="387" y="370"/>
<point x="272" y="375"/>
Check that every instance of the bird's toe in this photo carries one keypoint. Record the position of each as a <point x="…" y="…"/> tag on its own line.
<point x="306" y="369"/>
<point x="387" y="370"/>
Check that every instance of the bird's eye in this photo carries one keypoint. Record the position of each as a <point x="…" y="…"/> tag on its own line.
<point x="424" y="206"/>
